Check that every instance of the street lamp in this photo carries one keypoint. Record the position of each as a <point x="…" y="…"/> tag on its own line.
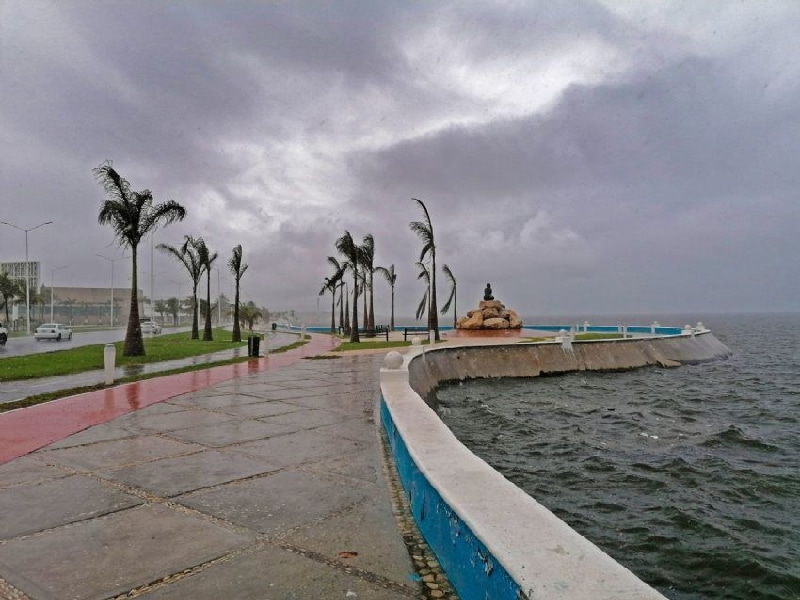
<point x="52" y="278"/>
<point x="27" y="272"/>
<point x="112" y="261"/>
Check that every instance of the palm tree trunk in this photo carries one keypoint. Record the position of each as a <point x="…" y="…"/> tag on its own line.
<point x="195" y="315"/>
<point x="371" y="324"/>
<point x="391" y="323"/>
<point x="237" y="332"/>
<point x="207" y="328"/>
<point x="134" y="345"/>
<point x="433" y="321"/>
<point x="354" y="329"/>
<point x="333" y="310"/>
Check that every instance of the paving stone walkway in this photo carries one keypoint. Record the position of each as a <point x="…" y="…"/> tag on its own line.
<point x="267" y="486"/>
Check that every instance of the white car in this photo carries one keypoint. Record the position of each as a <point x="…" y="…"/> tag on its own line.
<point x="3" y="335"/>
<point x="150" y="326"/>
<point x="52" y="331"/>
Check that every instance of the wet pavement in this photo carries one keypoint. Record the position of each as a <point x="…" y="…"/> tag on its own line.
<point x="260" y="480"/>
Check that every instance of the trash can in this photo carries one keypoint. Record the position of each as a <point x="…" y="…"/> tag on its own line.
<point x="253" y="343"/>
<point x="274" y="326"/>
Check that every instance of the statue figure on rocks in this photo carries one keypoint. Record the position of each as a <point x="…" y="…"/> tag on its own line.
<point x="490" y="314"/>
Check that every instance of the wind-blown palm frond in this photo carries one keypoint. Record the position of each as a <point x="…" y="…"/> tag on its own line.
<point x="452" y="296"/>
<point x="424" y="230"/>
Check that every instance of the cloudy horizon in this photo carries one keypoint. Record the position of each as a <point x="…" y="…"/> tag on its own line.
<point x="585" y="157"/>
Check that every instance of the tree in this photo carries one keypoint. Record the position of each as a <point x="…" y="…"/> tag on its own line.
<point x="238" y="269"/>
<point x="174" y="308"/>
<point x="368" y="262"/>
<point x="249" y="313"/>
<point x="132" y="215"/>
<point x="391" y="278"/>
<point x="207" y="260"/>
<point x="189" y="257"/>
<point x="160" y="307"/>
<point x="423" y="304"/>
<point x="9" y="290"/>
<point x="350" y="250"/>
<point x="330" y="286"/>
<point x="424" y="230"/>
<point x="452" y="297"/>
<point x="337" y="278"/>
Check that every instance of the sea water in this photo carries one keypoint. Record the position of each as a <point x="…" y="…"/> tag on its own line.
<point x="690" y="476"/>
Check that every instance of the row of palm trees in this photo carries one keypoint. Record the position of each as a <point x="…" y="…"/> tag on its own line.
<point x="359" y="261"/>
<point x="133" y="215"/>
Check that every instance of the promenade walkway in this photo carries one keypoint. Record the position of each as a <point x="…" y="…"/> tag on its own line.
<point x="261" y="480"/>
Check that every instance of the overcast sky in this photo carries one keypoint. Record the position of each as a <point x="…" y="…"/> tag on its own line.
<point x="585" y="157"/>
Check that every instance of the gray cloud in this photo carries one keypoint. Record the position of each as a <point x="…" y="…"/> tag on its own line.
<point x="587" y="157"/>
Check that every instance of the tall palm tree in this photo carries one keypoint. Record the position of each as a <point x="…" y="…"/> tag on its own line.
<point x="350" y="250"/>
<point x="337" y="280"/>
<point x="238" y="269"/>
<point x="189" y="257"/>
<point x="346" y="309"/>
<point x="423" y="304"/>
<point x="424" y="230"/>
<point x="368" y="262"/>
<point x="391" y="278"/>
<point x="452" y="297"/>
<point x="340" y="304"/>
<point x="207" y="260"/>
<point x="132" y="215"/>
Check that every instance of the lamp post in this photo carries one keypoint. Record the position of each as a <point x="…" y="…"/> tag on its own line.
<point x="27" y="272"/>
<point x="52" y="280"/>
<point x="112" y="261"/>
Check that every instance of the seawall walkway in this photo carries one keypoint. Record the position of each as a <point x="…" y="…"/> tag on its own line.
<point x="258" y="480"/>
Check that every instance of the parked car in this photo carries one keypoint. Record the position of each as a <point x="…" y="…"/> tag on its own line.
<point x="150" y="326"/>
<point x="3" y="335"/>
<point x="52" y="331"/>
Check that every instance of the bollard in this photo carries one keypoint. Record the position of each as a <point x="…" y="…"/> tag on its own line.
<point x="109" y="356"/>
<point x="432" y="337"/>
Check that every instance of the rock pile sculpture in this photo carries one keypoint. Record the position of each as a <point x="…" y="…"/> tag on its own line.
<point x="490" y="314"/>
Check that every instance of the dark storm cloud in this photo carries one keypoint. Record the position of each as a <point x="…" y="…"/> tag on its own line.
<point x="587" y="156"/>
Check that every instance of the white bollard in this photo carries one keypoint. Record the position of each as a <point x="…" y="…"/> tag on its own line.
<point x="432" y="337"/>
<point x="109" y="357"/>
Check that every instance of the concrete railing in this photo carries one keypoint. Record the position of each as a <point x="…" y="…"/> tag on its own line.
<point x="493" y="540"/>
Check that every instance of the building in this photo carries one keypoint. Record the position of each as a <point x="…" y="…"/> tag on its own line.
<point x="86" y="306"/>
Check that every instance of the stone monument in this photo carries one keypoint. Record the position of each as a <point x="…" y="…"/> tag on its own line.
<point x="490" y="314"/>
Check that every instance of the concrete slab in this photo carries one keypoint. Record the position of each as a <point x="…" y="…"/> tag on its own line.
<point x="32" y="508"/>
<point x="277" y="574"/>
<point x="231" y="432"/>
<point x="298" y="448"/>
<point x="277" y="503"/>
<point x="109" y="556"/>
<point x="27" y="470"/>
<point x="180" y="474"/>
<point x="118" y="453"/>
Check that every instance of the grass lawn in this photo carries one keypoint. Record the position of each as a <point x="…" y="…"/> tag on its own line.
<point x="89" y="358"/>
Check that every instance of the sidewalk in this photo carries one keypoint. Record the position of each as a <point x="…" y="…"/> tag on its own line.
<point x="261" y="480"/>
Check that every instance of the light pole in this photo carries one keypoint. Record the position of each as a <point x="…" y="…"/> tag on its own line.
<point x="27" y="272"/>
<point x="112" y="261"/>
<point x="52" y="280"/>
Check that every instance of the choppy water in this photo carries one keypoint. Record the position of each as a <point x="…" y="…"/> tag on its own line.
<point x="690" y="477"/>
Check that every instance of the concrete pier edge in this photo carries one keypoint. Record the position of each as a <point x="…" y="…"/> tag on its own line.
<point x="492" y="539"/>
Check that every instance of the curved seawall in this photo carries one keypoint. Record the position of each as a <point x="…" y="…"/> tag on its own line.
<point x="493" y="540"/>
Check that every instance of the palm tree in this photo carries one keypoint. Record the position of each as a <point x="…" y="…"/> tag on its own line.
<point x="189" y="257"/>
<point x="368" y="261"/>
<point x="423" y="304"/>
<point x="132" y="215"/>
<point x="207" y="260"/>
<point x="452" y="297"/>
<point x="346" y="309"/>
<point x="348" y="248"/>
<point x="238" y="269"/>
<point x="331" y="283"/>
<point x="173" y="308"/>
<point x="390" y="277"/>
<point x="424" y="230"/>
